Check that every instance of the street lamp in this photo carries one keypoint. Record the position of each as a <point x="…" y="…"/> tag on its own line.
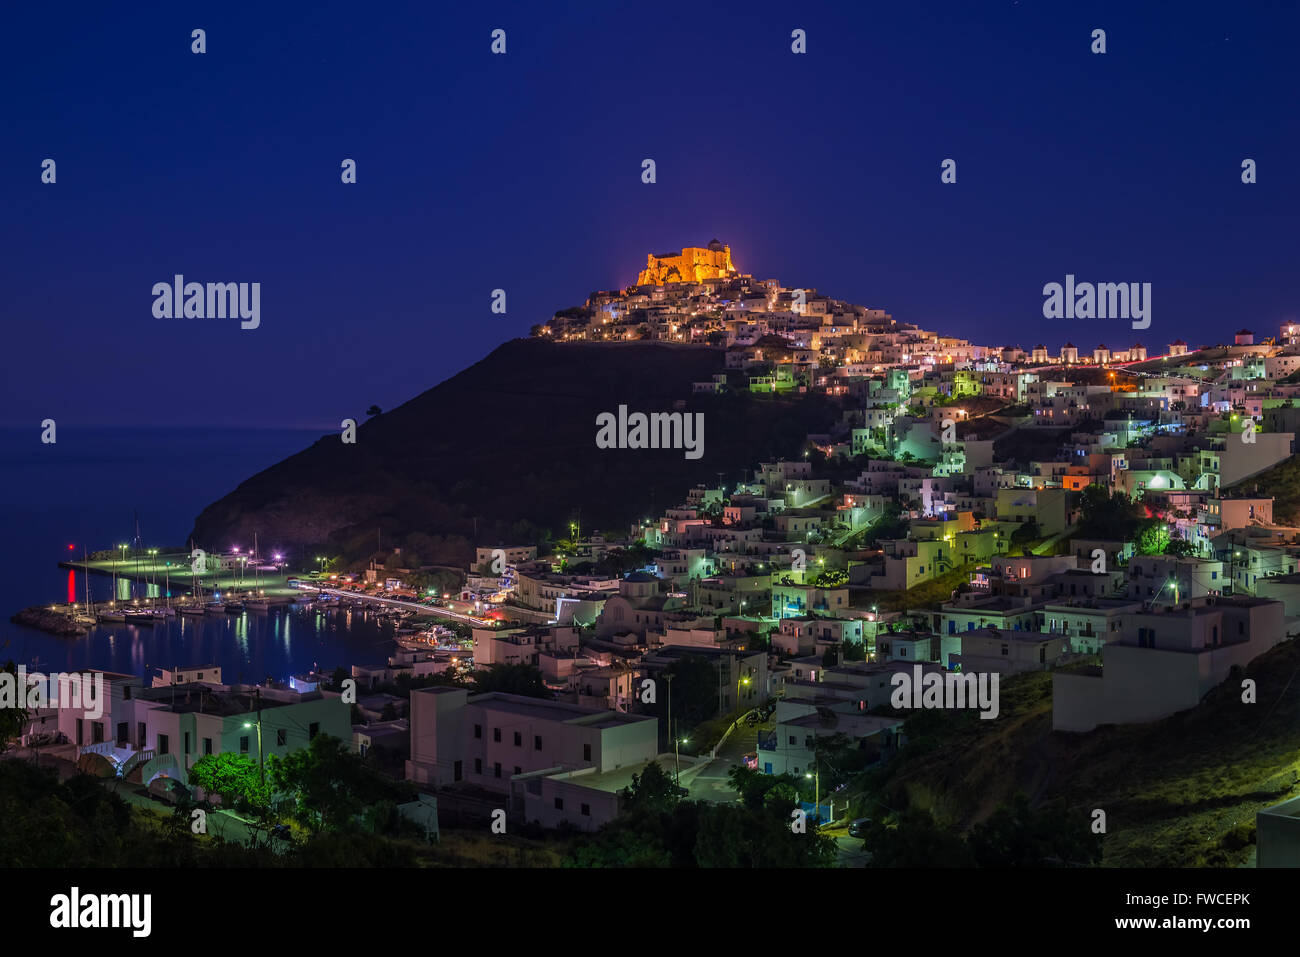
<point x="816" y="778"/>
<point x="248" y="724"/>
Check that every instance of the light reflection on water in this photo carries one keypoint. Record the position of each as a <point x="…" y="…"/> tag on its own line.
<point x="249" y="646"/>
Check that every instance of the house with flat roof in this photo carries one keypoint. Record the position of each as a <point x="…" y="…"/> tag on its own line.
<point x="1277" y="835"/>
<point x="990" y="650"/>
<point x="486" y="739"/>
<point x="791" y="746"/>
<point x="1166" y="660"/>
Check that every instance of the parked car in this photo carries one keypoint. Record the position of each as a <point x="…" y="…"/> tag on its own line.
<point x="169" y="790"/>
<point x="859" y="827"/>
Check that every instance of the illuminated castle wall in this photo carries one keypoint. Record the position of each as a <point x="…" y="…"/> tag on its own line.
<point x="695" y="264"/>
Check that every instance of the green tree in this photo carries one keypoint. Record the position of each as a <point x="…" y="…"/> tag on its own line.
<point x="236" y="777"/>
<point x="1152" y="537"/>
<point x="330" y="785"/>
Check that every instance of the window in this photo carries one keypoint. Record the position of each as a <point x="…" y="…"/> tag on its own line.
<point x="207" y="745"/>
<point x="496" y="769"/>
<point x="187" y="742"/>
<point x="123" y="730"/>
<point x="559" y="804"/>
<point x="586" y="752"/>
<point x="586" y="810"/>
<point x="496" y="735"/>
<point x="792" y="740"/>
<point x="537" y="742"/>
<point x="478" y="730"/>
<point x="478" y="765"/>
<point x="163" y="744"/>
<point x="519" y="740"/>
<point x="97" y="733"/>
<point x="457" y="769"/>
<point x="313" y="729"/>
<point x="281" y="737"/>
<point x="518" y="769"/>
<point x="1006" y="650"/>
<point x="243" y="745"/>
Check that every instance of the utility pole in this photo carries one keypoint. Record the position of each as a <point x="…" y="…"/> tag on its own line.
<point x="261" y="763"/>
<point x="668" y="676"/>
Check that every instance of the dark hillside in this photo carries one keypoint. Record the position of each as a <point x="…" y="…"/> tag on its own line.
<point x="510" y="441"/>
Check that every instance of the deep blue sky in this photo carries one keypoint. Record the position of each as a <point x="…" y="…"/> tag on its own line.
<point x="523" y="172"/>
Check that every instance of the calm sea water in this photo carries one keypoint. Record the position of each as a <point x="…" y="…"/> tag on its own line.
<point x="86" y="491"/>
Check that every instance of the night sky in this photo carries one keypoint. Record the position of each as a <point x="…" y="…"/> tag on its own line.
<point x="523" y="172"/>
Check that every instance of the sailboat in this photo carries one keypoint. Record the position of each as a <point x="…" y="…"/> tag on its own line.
<point x="216" y="606"/>
<point x="141" y="616"/>
<point x="166" y="610"/>
<point x="257" y="601"/>
<point x="112" y="613"/>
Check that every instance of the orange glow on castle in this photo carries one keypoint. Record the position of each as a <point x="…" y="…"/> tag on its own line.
<point x="694" y="264"/>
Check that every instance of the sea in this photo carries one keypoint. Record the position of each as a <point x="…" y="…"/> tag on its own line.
<point x="91" y="490"/>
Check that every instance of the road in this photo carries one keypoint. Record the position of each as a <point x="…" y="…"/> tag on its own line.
<point x="851" y="852"/>
<point x="711" y="784"/>
<point x="399" y="603"/>
<point x="220" y="823"/>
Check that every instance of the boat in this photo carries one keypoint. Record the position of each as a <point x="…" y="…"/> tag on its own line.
<point x="257" y="604"/>
<point x="234" y="607"/>
<point x="215" y="608"/>
<point x="193" y="610"/>
<point x="111" y="615"/>
<point x="141" y="617"/>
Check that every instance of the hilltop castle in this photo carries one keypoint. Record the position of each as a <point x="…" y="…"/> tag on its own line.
<point x="695" y="264"/>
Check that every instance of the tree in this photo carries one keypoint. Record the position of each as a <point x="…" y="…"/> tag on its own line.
<point x="1017" y="836"/>
<point x="1107" y="515"/>
<point x="694" y="691"/>
<point x="651" y="790"/>
<point x="13" y="720"/>
<point x="1152" y="538"/>
<point x="373" y="411"/>
<point x="1025" y="533"/>
<point x="915" y="840"/>
<point x="236" y="777"/>
<point x="519" y="679"/>
<point x="331" y="785"/>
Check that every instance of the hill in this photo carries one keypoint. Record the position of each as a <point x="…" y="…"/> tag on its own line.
<point x="1168" y="802"/>
<point x="505" y="450"/>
